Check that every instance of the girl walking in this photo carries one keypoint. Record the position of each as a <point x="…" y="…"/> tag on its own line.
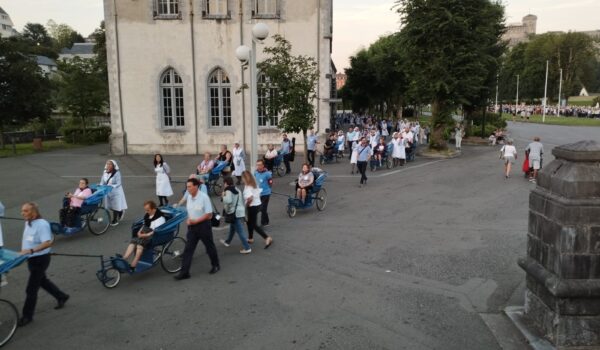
<point x="508" y="153"/>
<point x="115" y="200"/>
<point x="252" y="200"/>
<point x="234" y="204"/>
<point x="163" y="182"/>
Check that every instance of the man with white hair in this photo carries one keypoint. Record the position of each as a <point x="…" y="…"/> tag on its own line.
<point x="535" y="150"/>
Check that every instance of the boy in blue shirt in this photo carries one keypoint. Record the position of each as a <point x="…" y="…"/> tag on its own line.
<point x="264" y="180"/>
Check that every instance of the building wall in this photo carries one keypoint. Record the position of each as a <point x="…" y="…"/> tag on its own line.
<point x="6" y="25"/>
<point x="194" y="46"/>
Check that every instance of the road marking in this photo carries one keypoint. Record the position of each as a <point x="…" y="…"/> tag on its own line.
<point x="371" y="175"/>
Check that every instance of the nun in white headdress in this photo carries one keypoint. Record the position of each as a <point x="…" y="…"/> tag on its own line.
<point x="239" y="158"/>
<point x="115" y="200"/>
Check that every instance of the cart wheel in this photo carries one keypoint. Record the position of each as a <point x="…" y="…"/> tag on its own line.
<point x="9" y="317"/>
<point x="98" y="221"/>
<point x="390" y="162"/>
<point x="291" y="210"/>
<point x="217" y="187"/>
<point x="280" y="169"/>
<point x="172" y="254"/>
<point x="111" y="278"/>
<point x="321" y="199"/>
<point x="321" y="160"/>
<point x="156" y="254"/>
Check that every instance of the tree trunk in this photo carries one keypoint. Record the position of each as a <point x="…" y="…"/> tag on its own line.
<point x="305" y="146"/>
<point x="439" y="122"/>
<point x="2" y="135"/>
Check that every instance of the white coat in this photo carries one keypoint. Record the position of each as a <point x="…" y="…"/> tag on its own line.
<point x="238" y="161"/>
<point x="399" y="151"/>
<point x="115" y="200"/>
<point x="163" y="182"/>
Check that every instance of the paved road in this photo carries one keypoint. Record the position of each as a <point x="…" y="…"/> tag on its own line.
<point x="424" y="257"/>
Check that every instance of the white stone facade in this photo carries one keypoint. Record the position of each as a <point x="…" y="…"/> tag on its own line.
<point x="6" y="25"/>
<point x="520" y="32"/>
<point x="195" y="37"/>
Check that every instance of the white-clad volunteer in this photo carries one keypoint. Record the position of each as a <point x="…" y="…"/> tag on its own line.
<point x="115" y="200"/>
<point x="239" y="161"/>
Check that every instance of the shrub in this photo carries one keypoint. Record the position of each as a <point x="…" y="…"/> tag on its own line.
<point x="92" y="135"/>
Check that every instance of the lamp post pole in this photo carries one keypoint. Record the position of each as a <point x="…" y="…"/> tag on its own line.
<point x="248" y="55"/>
<point x="559" y="93"/>
<point x="496" y="106"/>
<point x="545" y="94"/>
<point x="517" y="99"/>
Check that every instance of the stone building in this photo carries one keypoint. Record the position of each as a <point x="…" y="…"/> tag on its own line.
<point x="6" y="25"/>
<point x="174" y="78"/>
<point x="520" y="32"/>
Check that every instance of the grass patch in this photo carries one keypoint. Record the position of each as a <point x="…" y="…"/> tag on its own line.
<point x="554" y="120"/>
<point x="27" y="148"/>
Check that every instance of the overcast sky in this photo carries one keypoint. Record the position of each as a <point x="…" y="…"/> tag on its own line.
<point x="357" y="23"/>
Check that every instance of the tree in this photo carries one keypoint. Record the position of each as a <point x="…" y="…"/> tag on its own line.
<point x="81" y="89"/>
<point x="295" y="80"/>
<point x="449" y="46"/>
<point x="37" y="34"/>
<point x="64" y="36"/>
<point x="25" y="93"/>
<point x="99" y="36"/>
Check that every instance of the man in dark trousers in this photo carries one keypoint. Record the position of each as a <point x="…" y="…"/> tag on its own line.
<point x="200" y="213"/>
<point x="37" y="240"/>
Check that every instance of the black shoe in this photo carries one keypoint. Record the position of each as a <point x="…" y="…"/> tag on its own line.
<point x="214" y="270"/>
<point x="62" y="302"/>
<point x="24" y="321"/>
<point x="182" y="276"/>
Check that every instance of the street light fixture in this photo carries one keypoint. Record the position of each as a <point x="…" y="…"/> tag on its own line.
<point x="247" y="55"/>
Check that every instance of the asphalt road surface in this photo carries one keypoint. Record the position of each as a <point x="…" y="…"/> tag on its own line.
<point x="423" y="257"/>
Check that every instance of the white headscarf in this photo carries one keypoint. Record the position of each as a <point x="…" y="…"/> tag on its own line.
<point x="116" y="166"/>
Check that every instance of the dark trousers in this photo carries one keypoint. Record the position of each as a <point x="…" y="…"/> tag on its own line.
<point x="264" y="216"/>
<point x="37" y="266"/>
<point x="69" y="216"/>
<point x="362" y="167"/>
<point x="251" y="223"/>
<point x="286" y="161"/>
<point x="269" y="163"/>
<point x="310" y="155"/>
<point x="163" y="199"/>
<point x="199" y="232"/>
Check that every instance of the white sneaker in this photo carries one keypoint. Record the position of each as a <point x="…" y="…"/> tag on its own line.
<point x="3" y="280"/>
<point x="224" y="243"/>
<point x="245" y="251"/>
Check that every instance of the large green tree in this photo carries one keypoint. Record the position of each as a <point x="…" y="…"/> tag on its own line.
<point x="294" y="78"/>
<point x="25" y="93"/>
<point x="450" y="48"/>
<point x="64" y="36"/>
<point x="81" y="89"/>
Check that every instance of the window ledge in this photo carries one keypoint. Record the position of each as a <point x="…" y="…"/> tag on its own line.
<point x="266" y="16"/>
<point x="216" y="17"/>
<point x="268" y="130"/>
<point x="173" y="130"/>
<point x="167" y="17"/>
<point x="221" y="130"/>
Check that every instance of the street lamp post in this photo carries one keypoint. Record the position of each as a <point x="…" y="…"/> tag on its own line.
<point x="559" y="93"/>
<point x="517" y="99"/>
<point x="260" y="32"/>
<point x="545" y="94"/>
<point x="496" y="106"/>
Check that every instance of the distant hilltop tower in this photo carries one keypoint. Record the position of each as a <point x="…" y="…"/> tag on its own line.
<point x="520" y="32"/>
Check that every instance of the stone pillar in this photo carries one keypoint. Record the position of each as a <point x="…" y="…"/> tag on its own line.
<point x="563" y="248"/>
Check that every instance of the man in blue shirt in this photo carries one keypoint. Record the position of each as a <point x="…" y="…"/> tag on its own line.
<point x="37" y="240"/>
<point x="311" y="144"/>
<point x="364" y="152"/>
<point x="286" y="149"/>
<point x="199" y="211"/>
<point x="264" y="180"/>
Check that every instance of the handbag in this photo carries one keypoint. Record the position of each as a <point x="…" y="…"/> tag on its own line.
<point x="215" y="221"/>
<point x="230" y="217"/>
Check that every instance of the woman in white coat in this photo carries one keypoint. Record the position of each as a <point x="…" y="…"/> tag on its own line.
<point x="163" y="182"/>
<point x="399" y="150"/>
<point x="115" y="200"/>
<point x="239" y="161"/>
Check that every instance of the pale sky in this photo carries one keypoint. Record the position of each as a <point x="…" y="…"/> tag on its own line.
<point x="356" y="23"/>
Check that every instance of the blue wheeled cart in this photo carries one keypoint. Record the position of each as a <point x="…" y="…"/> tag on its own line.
<point x="214" y="183"/>
<point x="166" y="246"/>
<point x="93" y="215"/>
<point x="9" y="315"/>
<point x="317" y="195"/>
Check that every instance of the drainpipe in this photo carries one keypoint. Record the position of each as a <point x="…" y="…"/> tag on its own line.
<point x="194" y="76"/>
<point x="319" y="67"/>
<point x="119" y="77"/>
<point x="243" y="93"/>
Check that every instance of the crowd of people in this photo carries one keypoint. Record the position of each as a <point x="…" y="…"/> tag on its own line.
<point x="526" y="111"/>
<point x="531" y="164"/>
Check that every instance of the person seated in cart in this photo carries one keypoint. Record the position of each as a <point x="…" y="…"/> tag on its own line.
<point x="305" y="182"/>
<point x="329" y="146"/>
<point x="204" y="168"/>
<point x="152" y="219"/>
<point x="69" y="214"/>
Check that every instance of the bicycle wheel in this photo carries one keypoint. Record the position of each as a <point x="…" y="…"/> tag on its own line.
<point x="389" y="162"/>
<point x="9" y="316"/>
<point x="111" y="278"/>
<point x="291" y="210"/>
<point x="280" y="169"/>
<point x="98" y="221"/>
<point x="321" y="199"/>
<point x="172" y="255"/>
<point x="217" y="187"/>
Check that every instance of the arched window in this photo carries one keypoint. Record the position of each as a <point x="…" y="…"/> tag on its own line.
<point x="219" y="98"/>
<point x="171" y="99"/>
<point x="266" y="92"/>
